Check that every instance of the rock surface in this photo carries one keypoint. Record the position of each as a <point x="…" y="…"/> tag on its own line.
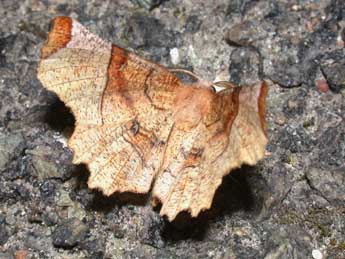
<point x="69" y="233"/>
<point x="289" y="205"/>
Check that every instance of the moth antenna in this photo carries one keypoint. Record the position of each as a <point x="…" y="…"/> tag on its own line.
<point x="181" y="70"/>
<point x="225" y="84"/>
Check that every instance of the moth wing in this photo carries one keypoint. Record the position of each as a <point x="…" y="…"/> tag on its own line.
<point x="196" y="160"/>
<point x="122" y="105"/>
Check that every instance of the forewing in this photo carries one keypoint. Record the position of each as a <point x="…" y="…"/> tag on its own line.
<point x="122" y="105"/>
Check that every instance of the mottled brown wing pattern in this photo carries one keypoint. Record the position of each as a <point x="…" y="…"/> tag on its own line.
<point x="138" y="126"/>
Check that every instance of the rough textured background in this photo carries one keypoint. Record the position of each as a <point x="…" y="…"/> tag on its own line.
<point x="290" y="204"/>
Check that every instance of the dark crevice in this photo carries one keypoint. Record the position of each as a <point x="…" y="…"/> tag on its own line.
<point x="59" y="116"/>
<point x="312" y="187"/>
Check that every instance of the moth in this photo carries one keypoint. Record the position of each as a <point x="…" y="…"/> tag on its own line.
<point x="140" y="128"/>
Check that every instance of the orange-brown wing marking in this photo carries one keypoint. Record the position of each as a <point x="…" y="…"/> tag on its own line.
<point x="116" y="103"/>
<point x="262" y="105"/>
<point x="59" y="36"/>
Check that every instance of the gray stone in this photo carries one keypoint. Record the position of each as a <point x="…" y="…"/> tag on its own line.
<point x="328" y="183"/>
<point x="147" y="4"/>
<point x="193" y="23"/>
<point x="289" y="242"/>
<point x="245" y="34"/>
<point x="150" y="234"/>
<point x="6" y="256"/>
<point x="43" y="167"/>
<point x="68" y="233"/>
<point x="74" y="209"/>
<point x="244" y="66"/>
<point x="333" y="66"/>
<point x="10" y="147"/>
<point x="148" y="32"/>
<point x="63" y="199"/>
<point x="95" y="247"/>
<point x="50" y="218"/>
<point x="331" y="147"/>
<point x="37" y="241"/>
<point x="295" y="139"/>
<point x="4" y="235"/>
<point x="10" y="218"/>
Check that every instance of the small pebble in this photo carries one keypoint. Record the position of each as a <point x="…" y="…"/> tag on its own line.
<point x="175" y="56"/>
<point x="280" y="119"/>
<point x="292" y="104"/>
<point x="322" y="85"/>
<point x="21" y="254"/>
<point x="316" y="254"/>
